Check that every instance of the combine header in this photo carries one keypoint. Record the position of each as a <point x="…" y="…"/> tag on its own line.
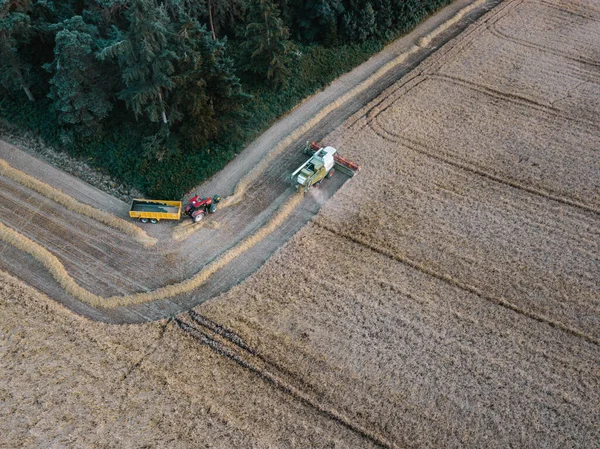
<point x="322" y="164"/>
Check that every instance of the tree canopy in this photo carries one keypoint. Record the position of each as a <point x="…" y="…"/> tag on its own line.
<point x="178" y="78"/>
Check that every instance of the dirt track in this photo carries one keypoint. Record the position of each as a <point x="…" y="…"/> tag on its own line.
<point x="107" y="263"/>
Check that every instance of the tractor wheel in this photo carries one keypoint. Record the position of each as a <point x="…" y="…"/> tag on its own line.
<point x="153" y="220"/>
<point x="331" y="172"/>
<point x="144" y="220"/>
<point x="198" y="217"/>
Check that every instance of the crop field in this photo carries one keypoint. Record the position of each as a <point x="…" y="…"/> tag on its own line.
<point x="447" y="296"/>
<point x="455" y="301"/>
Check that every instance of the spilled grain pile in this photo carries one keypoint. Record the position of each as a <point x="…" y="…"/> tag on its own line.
<point x="72" y="204"/>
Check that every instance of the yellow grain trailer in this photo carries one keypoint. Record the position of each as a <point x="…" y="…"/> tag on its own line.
<point x="155" y="210"/>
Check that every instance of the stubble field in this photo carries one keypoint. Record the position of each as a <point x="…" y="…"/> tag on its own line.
<point x="450" y="295"/>
<point x="447" y="296"/>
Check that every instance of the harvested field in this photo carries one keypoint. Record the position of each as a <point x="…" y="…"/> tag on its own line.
<point x="448" y="296"/>
<point x="411" y="358"/>
<point x="69" y="382"/>
<point x="455" y="299"/>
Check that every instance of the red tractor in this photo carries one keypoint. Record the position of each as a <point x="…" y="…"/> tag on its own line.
<point x="198" y="207"/>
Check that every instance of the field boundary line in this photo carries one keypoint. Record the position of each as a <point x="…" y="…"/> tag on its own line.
<point x="422" y="149"/>
<point x="73" y="205"/>
<point x="281" y="385"/>
<point x="66" y="281"/>
<point x="461" y="285"/>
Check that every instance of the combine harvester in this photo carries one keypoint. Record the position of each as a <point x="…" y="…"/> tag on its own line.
<point x="155" y="210"/>
<point x="322" y="164"/>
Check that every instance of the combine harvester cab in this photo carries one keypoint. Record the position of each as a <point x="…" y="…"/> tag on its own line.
<point x="322" y="164"/>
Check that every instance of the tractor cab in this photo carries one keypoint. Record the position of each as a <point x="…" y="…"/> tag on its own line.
<point x="198" y="207"/>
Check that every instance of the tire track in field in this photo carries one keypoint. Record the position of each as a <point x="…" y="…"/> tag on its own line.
<point x="493" y="28"/>
<point x="450" y="51"/>
<point x="508" y="97"/>
<point x="231" y="337"/>
<point x="43" y="208"/>
<point x="226" y="343"/>
<point x="73" y="205"/>
<point x="422" y="149"/>
<point x="461" y="285"/>
<point x="579" y="13"/>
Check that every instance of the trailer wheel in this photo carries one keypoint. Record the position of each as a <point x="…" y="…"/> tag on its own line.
<point x="153" y="220"/>
<point x="144" y="220"/>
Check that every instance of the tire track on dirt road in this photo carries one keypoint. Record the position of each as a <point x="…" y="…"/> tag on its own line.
<point x="367" y="82"/>
<point x="351" y="96"/>
<point x="58" y="271"/>
<point x="207" y="332"/>
<point x="72" y="204"/>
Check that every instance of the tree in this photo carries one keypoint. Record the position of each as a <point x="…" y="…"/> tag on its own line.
<point x="384" y="18"/>
<point x="267" y="46"/>
<point x="208" y="96"/>
<point x="318" y="20"/>
<point x="145" y="59"/>
<point x="225" y="15"/>
<point x="359" y="21"/>
<point x="15" y="34"/>
<point x="77" y="88"/>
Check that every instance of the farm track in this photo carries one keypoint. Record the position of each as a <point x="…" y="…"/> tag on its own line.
<point x="132" y="269"/>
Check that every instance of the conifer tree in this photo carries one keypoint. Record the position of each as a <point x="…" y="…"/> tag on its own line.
<point x="145" y="59"/>
<point x="15" y="34"/>
<point x="267" y="45"/>
<point x="318" y="20"/>
<point x="384" y="18"/>
<point x="76" y="86"/>
<point x="359" y="21"/>
<point x="208" y="94"/>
